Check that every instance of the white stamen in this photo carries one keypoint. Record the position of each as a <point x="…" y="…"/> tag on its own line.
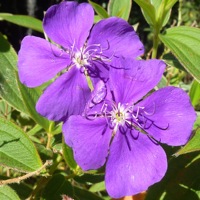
<point x="119" y="114"/>
<point x="80" y="59"/>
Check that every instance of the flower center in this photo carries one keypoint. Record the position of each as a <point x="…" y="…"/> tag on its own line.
<point x="80" y="59"/>
<point x="119" y="115"/>
<point x="84" y="57"/>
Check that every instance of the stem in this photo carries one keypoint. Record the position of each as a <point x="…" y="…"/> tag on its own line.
<point x="49" y="135"/>
<point x="180" y="13"/>
<point x="21" y="178"/>
<point x="155" y="43"/>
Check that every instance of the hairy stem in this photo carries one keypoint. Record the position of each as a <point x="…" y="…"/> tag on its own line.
<point x="21" y="178"/>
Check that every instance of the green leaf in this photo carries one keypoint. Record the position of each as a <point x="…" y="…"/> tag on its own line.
<point x="181" y="180"/>
<point x="23" y="20"/>
<point x="30" y="97"/>
<point x="184" y="43"/>
<point x="7" y="193"/>
<point x="59" y="186"/>
<point x="68" y="156"/>
<point x="89" y="178"/>
<point x="169" y="4"/>
<point x="99" y="10"/>
<point x="171" y="60"/>
<point x="162" y="83"/>
<point x="98" y="187"/>
<point x="148" y="11"/>
<point x="23" y="189"/>
<point x="163" y="11"/>
<point x="34" y="130"/>
<point x="97" y="18"/>
<point x="120" y="8"/>
<point x="197" y="122"/>
<point x="194" y="94"/>
<point x="16" y="149"/>
<point x="9" y="89"/>
<point x="192" y="145"/>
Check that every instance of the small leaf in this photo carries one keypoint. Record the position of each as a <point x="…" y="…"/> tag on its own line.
<point x="7" y="193"/>
<point x="99" y="10"/>
<point x="16" y="149"/>
<point x="148" y="10"/>
<point x="34" y="130"/>
<point x="184" y="43"/>
<point x="194" y="94"/>
<point x="23" y="20"/>
<point x="98" y="187"/>
<point x="120" y="8"/>
<point x="192" y="145"/>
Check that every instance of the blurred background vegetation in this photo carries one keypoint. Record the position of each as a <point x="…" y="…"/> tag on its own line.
<point x="190" y="16"/>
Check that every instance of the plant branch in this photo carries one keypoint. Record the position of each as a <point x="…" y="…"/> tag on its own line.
<point x="21" y="178"/>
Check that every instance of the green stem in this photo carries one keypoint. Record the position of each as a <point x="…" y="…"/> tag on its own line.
<point x="180" y="13"/>
<point x="155" y="43"/>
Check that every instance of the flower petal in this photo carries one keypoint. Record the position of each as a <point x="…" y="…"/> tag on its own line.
<point x="133" y="79"/>
<point x="133" y="165"/>
<point x="116" y="38"/>
<point x="69" y="23"/>
<point x="89" y="139"/>
<point x="66" y="96"/>
<point x="39" y="61"/>
<point x="171" y="115"/>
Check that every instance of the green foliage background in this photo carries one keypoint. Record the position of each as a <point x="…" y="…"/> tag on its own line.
<point x="34" y="161"/>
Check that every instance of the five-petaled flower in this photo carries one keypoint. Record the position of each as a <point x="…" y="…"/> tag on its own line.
<point x="124" y="128"/>
<point x="78" y="49"/>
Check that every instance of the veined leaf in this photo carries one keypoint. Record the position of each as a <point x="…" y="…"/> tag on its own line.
<point x="7" y="193"/>
<point x="162" y="13"/>
<point x="23" y="20"/>
<point x="16" y="149"/>
<point x="192" y="145"/>
<point x="9" y="89"/>
<point x="30" y="97"/>
<point x="184" y="43"/>
<point x="148" y="10"/>
<point x="120" y="8"/>
<point x="99" y="10"/>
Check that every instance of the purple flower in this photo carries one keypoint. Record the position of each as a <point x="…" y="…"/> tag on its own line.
<point x="124" y="128"/>
<point x="78" y="49"/>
